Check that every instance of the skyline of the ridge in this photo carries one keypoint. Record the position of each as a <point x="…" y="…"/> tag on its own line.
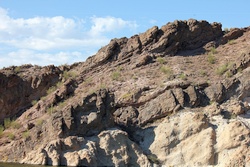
<point x="58" y="32"/>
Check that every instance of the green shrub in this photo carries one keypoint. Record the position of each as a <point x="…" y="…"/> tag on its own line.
<point x="166" y="70"/>
<point x="51" y="109"/>
<point x="211" y="59"/>
<point x="26" y="134"/>
<point x="39" y="122"/>
<point x="221" y="70"/>
<point x="213" y="50"/>
<point x="239" y="70"/>
<point x="69" y="74"/>
<point x="116" y="75"/>
<point x="203" y="73"/>
<point x="59" y="84"/>
<point x="51" y="89"/>
<point x="153" y="158"/>
<point x="11" y="136"/>
<point x="182" y="76"/>
<point x="1" y="130"/>
<point x="231" y="42"/>
<point x="229" y="74"/>
<point x="34" y="102"/>
<point x="15" y="124"/>
<point x="17" y="69"/>
<point x="161" y="60"/>
<point x="7" y="123"/>
<point x="127" y="96"/>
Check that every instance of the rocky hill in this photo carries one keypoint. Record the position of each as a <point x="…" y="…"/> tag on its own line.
<point x="178" y="95"/>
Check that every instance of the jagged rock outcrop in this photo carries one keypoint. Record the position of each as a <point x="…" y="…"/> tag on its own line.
<point x="175" y="96"/>
<point x="19" y="91"/>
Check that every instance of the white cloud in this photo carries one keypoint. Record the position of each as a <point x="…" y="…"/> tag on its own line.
<point x="24" y="56"/>
<point x="110" y="24"/>
<point x="58" y="34"/>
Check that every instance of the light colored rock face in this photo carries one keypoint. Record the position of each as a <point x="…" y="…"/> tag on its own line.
<point x="109" y="148"/>
<point x="190" y="139"/>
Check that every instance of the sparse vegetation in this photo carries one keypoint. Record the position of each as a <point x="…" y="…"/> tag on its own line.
<point x="161" y="60"/>
<point x="231" y="42"/>
<point x="116" y="75"/>
<point x="239" y="70"/>
<point x="61" y="104"/>
<point x="166" y="70"/>
<point x="213" y="50"/>
<point x="59" y="84"/>
<point x="69" y="74"/>
<point x="233" y="116"/>
<point x="26" y="134"/>
<point x="7" y="123"/>
<point x="17" y="69"/>
<point x="15" y="125"/>
<point x="11" y="136"/>
<point x="222" y="69"/>
<point x="203" y="73"/>
<point x="229" y="74"/>
<point x="51" y="109"/>
<point x="183" y="76"/>
<point x="103" y="86"/>
<point x="153" y="158"/>
<point x="39" y="122"/>
<point x="1" y="130"/>
<point x="34" y="102"/>
<point x="51" y="89"/>
<point x="211" y="59"/>
<point x="127" y="96"/>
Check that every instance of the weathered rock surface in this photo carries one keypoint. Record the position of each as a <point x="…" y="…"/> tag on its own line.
<point x="175" y="96"/>
<point x="110" y="148"/>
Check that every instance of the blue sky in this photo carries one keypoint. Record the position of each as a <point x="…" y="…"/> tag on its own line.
<point x="56" y="32"/>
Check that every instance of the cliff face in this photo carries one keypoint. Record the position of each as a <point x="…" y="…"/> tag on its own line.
<point x="175" y="95"/>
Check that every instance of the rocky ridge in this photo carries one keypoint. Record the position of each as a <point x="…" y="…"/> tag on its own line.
<point x="176" y="95"/>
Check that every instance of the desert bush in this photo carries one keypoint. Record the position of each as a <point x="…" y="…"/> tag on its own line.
<point x="231" y="42"/>
<point x="116" y="75"/>
<point x="59" y="84"/>
<point x="211" y="59"/>
<point x="26" y="134"/>
<point x="15" y="125"/>
<point x="51" y="109"/>
<point x="203" y="73"/>
<point x="69" y="74"/>
<point x="222" y="69"/>
<point x="34" y="102"/>
<point x="161" y="60"/>
<point x="213" y="50"/>
<point x="11" y="136"/>
<point x="183" y="76"/>
<point x="39" y="122"/>
<point x="51" y="89"/>
<point x="1" y="130"/>
<point x="166" y="70"/>
<point x="229" y="74"/>
<point x="127" y="96"/>
<point x="7" y="123"/>
<point x="17" y="69"/>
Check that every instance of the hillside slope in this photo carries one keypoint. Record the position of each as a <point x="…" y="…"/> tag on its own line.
<point x="178" y="95"/>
